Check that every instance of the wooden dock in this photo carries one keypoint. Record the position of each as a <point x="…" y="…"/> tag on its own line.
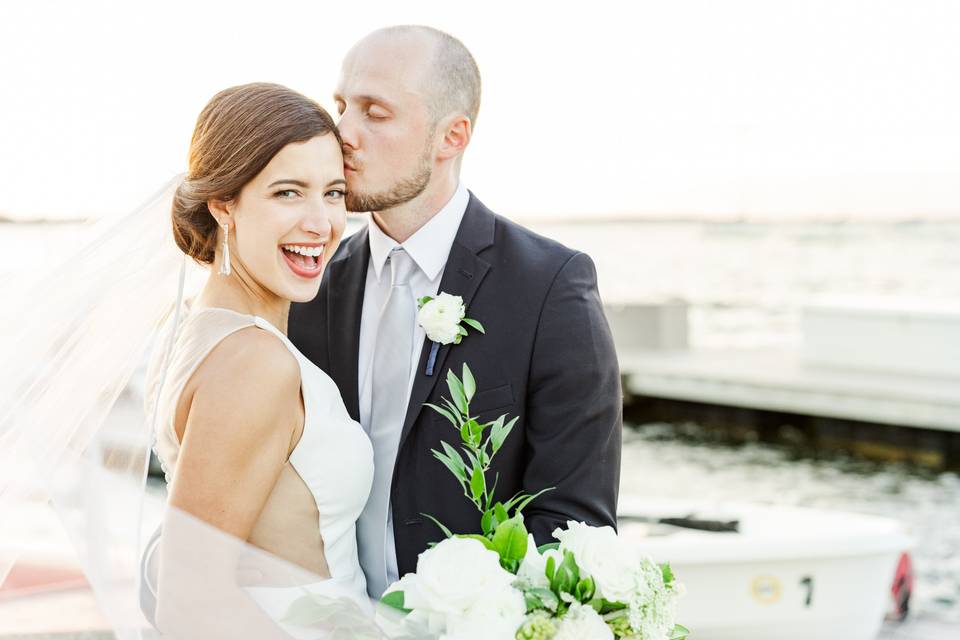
<point x="778" y="380"/>
<point x="869" y="362"/>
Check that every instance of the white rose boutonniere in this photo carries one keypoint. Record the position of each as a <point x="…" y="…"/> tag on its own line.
<point x="441" y="318"/>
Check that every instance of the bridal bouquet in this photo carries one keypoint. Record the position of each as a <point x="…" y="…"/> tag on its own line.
<point x="498" y="584"/>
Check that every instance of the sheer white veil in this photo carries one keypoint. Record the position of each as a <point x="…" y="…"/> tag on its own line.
<point x="73" y="340"/>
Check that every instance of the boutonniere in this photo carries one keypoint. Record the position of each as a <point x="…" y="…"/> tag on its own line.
<point x="443" y="318"/>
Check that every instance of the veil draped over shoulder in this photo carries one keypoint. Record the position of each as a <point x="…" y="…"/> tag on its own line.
<point x="74" y="340"/>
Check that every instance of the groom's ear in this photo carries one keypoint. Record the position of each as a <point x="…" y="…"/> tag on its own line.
<point x="457" y="132"/>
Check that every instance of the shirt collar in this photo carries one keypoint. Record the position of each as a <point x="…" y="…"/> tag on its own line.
<point x="430" y="245"/>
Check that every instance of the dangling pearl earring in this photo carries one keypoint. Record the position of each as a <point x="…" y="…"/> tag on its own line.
<point x="225" y="265"/>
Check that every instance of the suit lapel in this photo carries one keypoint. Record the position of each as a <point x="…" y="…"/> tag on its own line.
<point x="462" y="276"/>
<point x="348" y="277"/>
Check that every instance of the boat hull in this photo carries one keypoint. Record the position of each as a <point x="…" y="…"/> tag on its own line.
<point x="789" y="574"/>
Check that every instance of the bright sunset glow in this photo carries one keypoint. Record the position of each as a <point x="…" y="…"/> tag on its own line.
<point x="744" y="107"/>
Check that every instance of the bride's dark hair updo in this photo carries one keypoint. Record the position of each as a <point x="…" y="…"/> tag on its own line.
<point x="237" y="134"/>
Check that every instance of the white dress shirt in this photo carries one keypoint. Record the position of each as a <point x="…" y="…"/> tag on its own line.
<point x="429" y="247"/>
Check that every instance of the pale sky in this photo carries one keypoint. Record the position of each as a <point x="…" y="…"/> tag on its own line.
<point x="667" y="107"/>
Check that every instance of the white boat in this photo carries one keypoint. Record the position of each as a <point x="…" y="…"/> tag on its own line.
<point x="785" y="574"/>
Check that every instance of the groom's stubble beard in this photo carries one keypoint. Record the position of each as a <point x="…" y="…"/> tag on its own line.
<point x="402" y="191"/>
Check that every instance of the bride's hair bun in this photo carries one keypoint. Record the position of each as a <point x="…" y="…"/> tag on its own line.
<point x="237" y="134"/>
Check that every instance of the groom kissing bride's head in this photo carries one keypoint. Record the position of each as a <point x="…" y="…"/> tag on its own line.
<point x="408" y="99"/>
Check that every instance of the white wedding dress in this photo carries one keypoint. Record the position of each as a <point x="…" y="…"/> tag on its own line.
<point x="314" y="506"/>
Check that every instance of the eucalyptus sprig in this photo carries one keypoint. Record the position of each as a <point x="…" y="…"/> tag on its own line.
<point x="480" y="442"/>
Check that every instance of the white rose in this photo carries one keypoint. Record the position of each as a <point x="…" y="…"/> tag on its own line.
<point x="532" y="573"/>
<point x="441" y="317"/>
<point x="582" y="622"/>
<point x="455" y="580"/>
<point x="600" y="554"/>
<point x="424" y="618"/>
<point x="497" y="614"/>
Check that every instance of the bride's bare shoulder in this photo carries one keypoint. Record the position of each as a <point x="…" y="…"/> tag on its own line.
<point x="250" y="358"/>
<point x="250" y="376"/>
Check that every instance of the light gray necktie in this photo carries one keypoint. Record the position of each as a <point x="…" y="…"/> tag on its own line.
<point x="391" y="379"/>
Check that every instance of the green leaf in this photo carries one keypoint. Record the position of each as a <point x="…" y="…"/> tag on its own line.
<point x="523" y="504"/>
<point x="532" y="601"/>
<point x="476" y="325"/>
<point x="454" y="411"/>
<point x="567" y="575"/>
<point x="446" y="414"/>
<point x="548" y="598"/>
<point x="456" y="390"/>
<point x="515" y="499"/>
<point x="679" y="632"/>
<point x="551" y="569"/>
<point x="455" y="458"/>
<point x="500" y="513"/>
<point x="475" y="432"/>
<point x="469" y="383"/>
<point x="510" y="539"/>
<point x="609" y="607"/>
<point x="450" y="464"/>
<point x="461" y="331"/>
<point x="422" y="301"/>
<point x="550" y="546"/>
<point x="474" y="462"/>
<point x="499" y="432"/>
<point x="584" y="590"/>
<point x="487" y="522"/>
<point x="493" y="490"/>
<point x="477" y="483"/>
<point x="667" y="573"/>
<point x="394" y="599"/>
<point x="496" y="426"/>
<point x="445" y="530"/>
<point x="475" y="536"/>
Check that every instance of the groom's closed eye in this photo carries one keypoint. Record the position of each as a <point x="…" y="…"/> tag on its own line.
<point x="372" y="106"/>
<point x="377" y="112"/>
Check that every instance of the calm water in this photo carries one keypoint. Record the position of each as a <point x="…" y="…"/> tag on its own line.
<point x="745" y="284"/>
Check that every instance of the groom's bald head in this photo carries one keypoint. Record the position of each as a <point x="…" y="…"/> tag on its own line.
<point x="408" y="99"/>
<point x="448" y="76"/>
